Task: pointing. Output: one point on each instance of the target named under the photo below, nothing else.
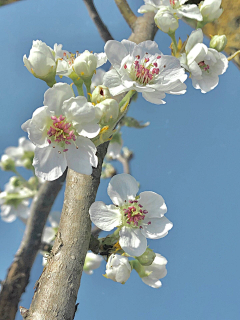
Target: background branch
(18, 273)
(126, 12)
(102, 29)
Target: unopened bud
(15, 181)
(166, 20)
(7, 163)
(85, 64)
(107, 110)
(100, 93)
(218, 43)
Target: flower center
(143, 70)
(69, 58)
(203, 66)
(60, 131)
(134, 213)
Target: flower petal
(83, 157)
(154, 97)
(55, 96)
(198, 53)
(132, 241)
(154, 283)
(195, 37)
(105, 217)
(157, 229)
(115, 52)
(153, 203)
(121, 188)
(48, 163)
(190, 11)
(112, 80)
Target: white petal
(105, 217)
(82, 159)
(121, 188)
(113, 81)
(115, 52)
(48, 163)
(54, 218)
(195, 37)
(88, 129)
(198, 53)
(55, 96)
(129, 45)
(132, 241)
(8, 214)
(190, 11)
(206, 84)
(147, 8)
(154, 283)
(150, 47)
(157, 229)
(154, 97)
(153, 203)
(101, 58)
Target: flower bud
(107, 110)
(128, 154)
(218, 43)
(108, 171)
(41, 62)
(85, 64)
(166, 20)
(210, 10)
(147, 258)
(33, 182)
(15, 181)
(7, 163)
(118, 268)
(100, 93)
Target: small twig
(19, 271)
(126, 12)
(125, 162)
(102, 29)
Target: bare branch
(102, 29)
(57, 288)
(126, 12)
(19, 271)
(125, 162)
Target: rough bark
(57, 288)
(18, 273)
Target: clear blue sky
(189, 154)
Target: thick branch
(57, 288)
(126, 12)
(19, 271)
(102, 29)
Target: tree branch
(57, 288)
(126, 12)
(19, 271)
(102, 29)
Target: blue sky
(189, 154)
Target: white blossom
(92, 262)
(86, 63)
(137, 218)
(41, 61)
(80, 64)
(210, 10)
(142, 67)
(157, 270)
(114, 149)
(118, 268)
(21, 154)
(166, 20)
(106, 111)
(177, 7)
(61, 131)
(14, 202)
(204, 64)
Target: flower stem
(174, 42)
(88, 87)
(233, 55)
(127, 98)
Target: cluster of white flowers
(67, 129)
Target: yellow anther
(124, 107)
(82, 73)
(89, 94)
(78, 78)
(95, 71)
(60, 77)
(71, 84)
(117, 247)
(104, 129)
